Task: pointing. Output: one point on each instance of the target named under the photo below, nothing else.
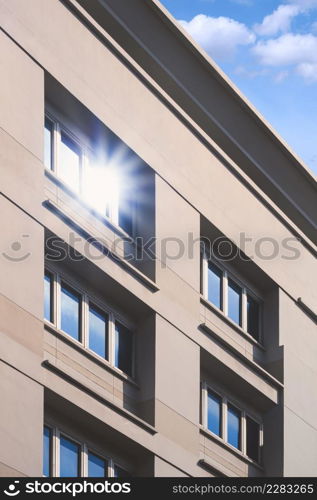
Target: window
(94, 176)
(214, 285)
(253, 317)
(98, 332)
(231, 424)
(214, 413)
(70, 311)
(253, 439)
(47, 451)
(234, 427)
(69, 459)
(48, 144)
(126, 216)
(48, 309)
(98, 197)
(97, 466)
(92, 324)
(234, 302)
(70, 162)
(233, 299)
(75, 459)
(120, 473)
(123, 348)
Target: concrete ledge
(130, 416)
(229, 448)
(88, 354)
(105, 250)
(254, 366)
(229, 322)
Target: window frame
(51, 451)
(109, 315)
(87, 298)
(60, 282)
(242, 314)
(115, 464)
(242, 433)
(216, 393)
(84, 448)
(90, 449)
(60, 130)
(52, 143)
(60, 434)
(260, 451)
(209, 261)
(246, 290)
(60, 125)
(225, 402)
(113, 345)
(51, 288)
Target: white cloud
(243, 2)
(304, 4)
(281, 76)
(219, 36)
(247, 73)
(288, 49)
(308, 71)
(279, 21)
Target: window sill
(89, 354)
(122, 411)
(231, 323)
(104, 249)
(255, 366)
(229, 448)
(103, 218)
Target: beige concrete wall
(189, 181)
(21, 262)
(21, 422)
(145, 367)
(177, 386)
(298, 334)
(164, 469)
(21, 105)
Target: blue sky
(268, 48)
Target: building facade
(158, 243)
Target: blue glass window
(234, 426)
(48, 141)
(69, 162)
(121, 473)
(253, 439)
(214, 413)
(253, 314)
(48, 295)
(70, 311)
(47, 451)
(98, 332)
(214, 285)
(234, 302)
(69, 458)
(96, 190)
(97, 467)
(123, 348)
